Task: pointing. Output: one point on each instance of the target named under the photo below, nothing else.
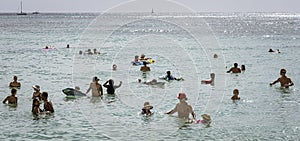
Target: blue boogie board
(72, 92)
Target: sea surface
(183, 43)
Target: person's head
(139, 80)
(68, 46)
(235, 92)
(282, 72)
(13, 92)
(168, 73)
(206, 118)
(89, 50)
(215, 56)
(80, 52)
(243, 67)
(143, 56)
(95, 50)
(182, 96)
(212, 75)
(145, 63)
(147, 106)
(111, 82)
(95, 79)
(15, 78)
(44, 95)
(46, 47)
(36, 87)
(235, 65)
(77, 88)
(114, 67)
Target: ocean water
(181, 42)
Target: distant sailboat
(152, 11)
(21, 13)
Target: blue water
(181, 42)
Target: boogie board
(148, 61)
(72, 92)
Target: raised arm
(117, 86)
(105, 84)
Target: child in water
(146, 109)
(235, 95)
(206, 120)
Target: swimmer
(12, 99)
(110, 87)
(211, 81)
(284, 80)
(36, 93)
(235, 95)
(95, 87)
(152, 82)
(96, 52)
(15, 82)
(146, 109)
(48, 107)
(183, 108)
(215, 56)
(243, 67)
(114, 67)
(234, 69)
(206, 120)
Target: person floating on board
(152, 82)
(145, 67)
(48, 107)
(183, 109)
(110, 87)
(15, 82)
(169, 77)
(146, 109)
(211, 81)
(36, 93)
(234, 69)
(284, 80)
(12, 99)
(206, 120)
(95, 87)
(235, 95)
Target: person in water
(145, 67)
(96, 52)
(36, 110)
(211, 81)
(284, 80)
(235, 95)
(169, 76)
(110, 87)
(48, 106)
(234, 69)
(152, 82)
(95, 87)
(206, 120)
(15, 82)
(243, 67)
(183, 108)
(36, 93)
(12, 99)
(146, 110)
(68, 46)
(114, 67)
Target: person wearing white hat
(183, 108)
(36, 94)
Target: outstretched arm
(274, 82)
(88, 90)
(118, 85)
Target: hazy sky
(147, 5)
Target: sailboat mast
(21, 7)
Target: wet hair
(282, 71)
(111, 82)
(13, 91)
(235, 64)
(235, 91)
(45, 95)
(168, 72)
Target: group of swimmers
(37, 98)
(90, 52)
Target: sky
(147, 5)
